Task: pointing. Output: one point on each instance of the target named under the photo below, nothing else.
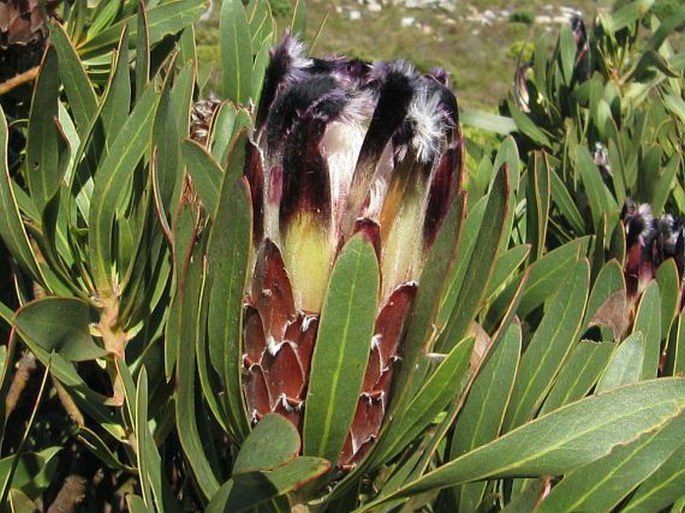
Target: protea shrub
(342, 149)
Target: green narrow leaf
(342, 349)
(420, 333)
(442, 387)
(487, 121)
(229, 253)
(147, 262)
(165, 19)
(401, 474)
(261, 62)
(505, 269)
(480, 420)
(626, 364)
(616, 161)
(542, 45)
(669, 286)
(55, 222)
(142, 50)
(103, 15)
(663, 487)
(602, 484)
(567, 54)
(11, 225)
(675, 104)
(79, 91)
(117, 100)
(675, 357)
(600, 198)
(111, 181)
(184, 233)
(209, 382)
(508, 153)
(598, 256)
(679, 505)
(61, 325)
(573, 436)
(666, 28)
(579, 374)
(137, 401)
(149, 461)
(527, 127)
(236, 54)
(187, 50)
(629, 14)
(6, 361)
(172, 16)
(567, 206)
(538, 204)
(95, 444)
(544, 274)
(648, 321)
(663, 182)
(550, 346)
(481, 264)
(205, 172)
(195, 448)
(42, 145)
(175, 109)
(227, 122)
(468, 231)
(261, 24)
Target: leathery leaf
(342, 349)
(564, 440)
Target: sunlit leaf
(550, 345)
(236, 52)
(342, 349)
(565, 439)
(648, 321)
(481, 418)
(602, 484)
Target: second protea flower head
(341, 146)
(650, 241)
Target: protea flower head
(649, 242)
(340, 147)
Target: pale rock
(407, 21)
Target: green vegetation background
(480, 58)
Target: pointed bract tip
(294, 50)
(639, 223)
(429, 124)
